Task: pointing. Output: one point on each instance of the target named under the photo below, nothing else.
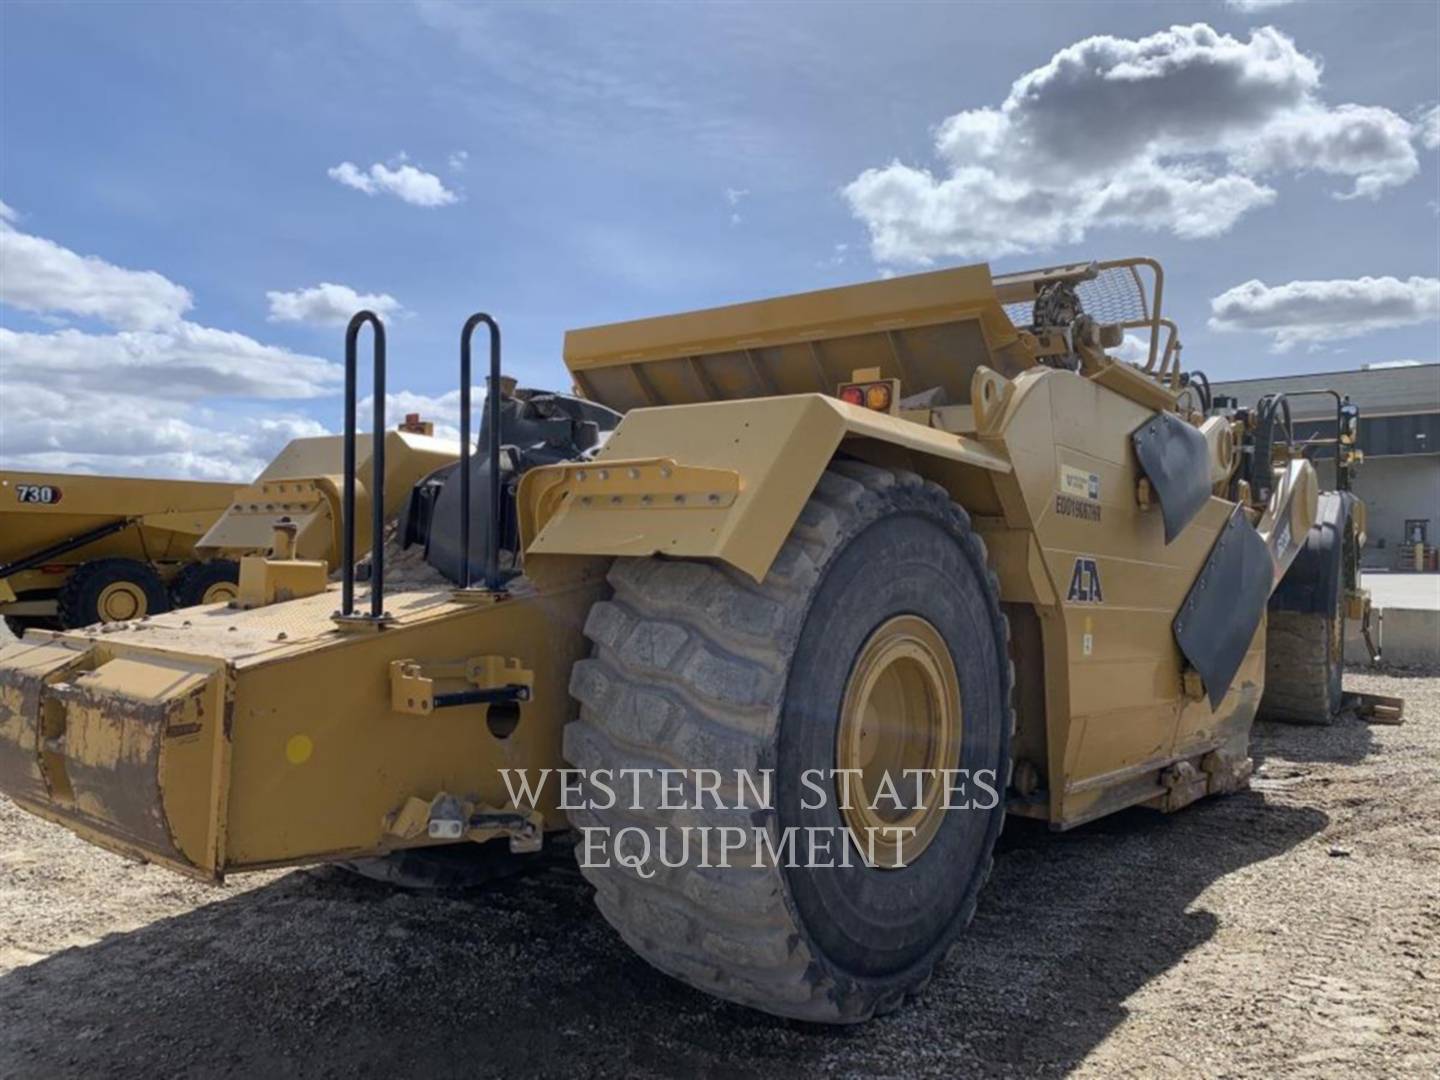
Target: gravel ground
(1287, 930)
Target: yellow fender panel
(723, 480)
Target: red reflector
(852, 395)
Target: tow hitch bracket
(491, 680)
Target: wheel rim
(121, 600)
(901, 711)
(222, 592)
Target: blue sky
(564, 165)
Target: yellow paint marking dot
(298, 749)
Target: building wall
(1399, 433)
(1395, 489)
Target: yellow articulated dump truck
(775, 619)
(76, 550)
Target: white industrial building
(1399, 435)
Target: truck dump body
(38, 510)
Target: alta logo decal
(1085, 583)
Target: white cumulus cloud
(133, 435)
(1181, 131)
(327, 304)
(39, 276)
(1315, 311)
(1430, 128)
(157, 394)
(182, 362)
(407, 183)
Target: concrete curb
(1409, 637)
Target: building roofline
(1324, 374)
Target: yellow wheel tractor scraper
(827, 584)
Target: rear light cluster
(879, 395)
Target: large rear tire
(696, 666)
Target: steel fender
(722, 480)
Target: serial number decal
(1083, 509)
(1085, 583)
(1079, 483)
(37, 493)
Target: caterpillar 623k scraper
(905, 536)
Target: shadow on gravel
(324, 974)
(1346, 741)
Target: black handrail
(377, 474)
(493, 581)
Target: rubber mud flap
(1176, 461)
(1222, 611)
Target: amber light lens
(852, 395)
(877, 396)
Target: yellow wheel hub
(222, 592)
(900, 726)
(121, 600)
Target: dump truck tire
(1304, 667)
(210, 582)
(110, 590)
(696, 666)
(451, 866)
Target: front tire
(111, 590)
(697, 667)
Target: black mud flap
(1222, 611)
(1174, 458)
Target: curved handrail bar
(492, 405)
(377, 473)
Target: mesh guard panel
(1115, 295)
